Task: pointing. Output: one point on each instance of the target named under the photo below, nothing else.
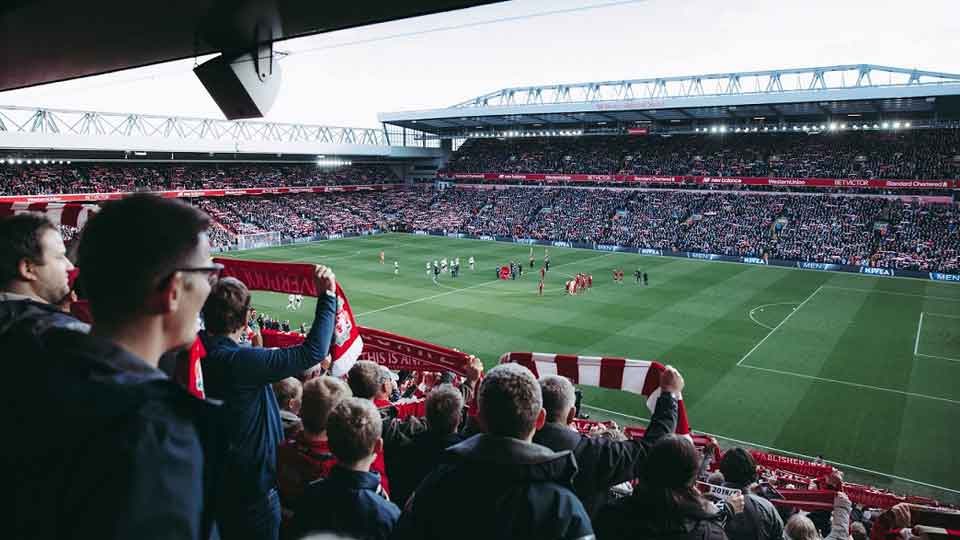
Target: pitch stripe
(485, 283)
(858, 385)
(785, 319)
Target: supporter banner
(401, 352)
(636, 376)
(188, 193)
(290, 278)
(391, 350)
(69, 214)
(712, 180)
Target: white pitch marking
(785, 319)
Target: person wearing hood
(128, 454)
(523, 488)
(666, 503)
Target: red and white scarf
(636, 376)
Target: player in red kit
(589, 281)
(540, 287)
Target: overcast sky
(346, 78)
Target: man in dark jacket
(759, 519)
(348, 501)
(34, 275)
(524, 488)
(241, 378)
(411, 463)
(603, 463)
(126, 458)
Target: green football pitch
(864, 371)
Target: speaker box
(241, 86)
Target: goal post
(258, 240)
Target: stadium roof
(34, 128)
(783, 95)
(45, 41)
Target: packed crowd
(111, 177)
(286, 446)
(913, 154)
(862, 231)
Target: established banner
(711, 180)
(290, 278)
(188, 193)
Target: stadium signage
(815, 266)
(711, 180)
(485, 237)
(561, 244)
(608, 247)
(648, 251)
(528, 241)
(454, 235)
(335, 236)
(707, 256)
(421, 233)
(937, 276)
(876, 271)
(752, 260)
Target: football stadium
(715, 305)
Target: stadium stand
(105, 178)
(863, 231)
(914, 154)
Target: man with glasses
(128, 454)
(241, 377)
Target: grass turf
(816, 363)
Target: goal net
(258, 240)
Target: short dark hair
(353, 429)
(510, 400)
(115, 275)
(225, 310)
(738, 467)
(365, 379)
(444, 408)
(19, 240)
(320, 396)
(559, 396)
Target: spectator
(307, 457)
(414, 461)
(289, 393)
(799, 526)
(522, 487)
(759, 519)
(34, 277)
(667, 504)
(130, 456)
(241, 378)
(858, 531)
(603, 463)
(349, 501)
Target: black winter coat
(603, 463)
(102, 445)
(633, 517)
(497, 487)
